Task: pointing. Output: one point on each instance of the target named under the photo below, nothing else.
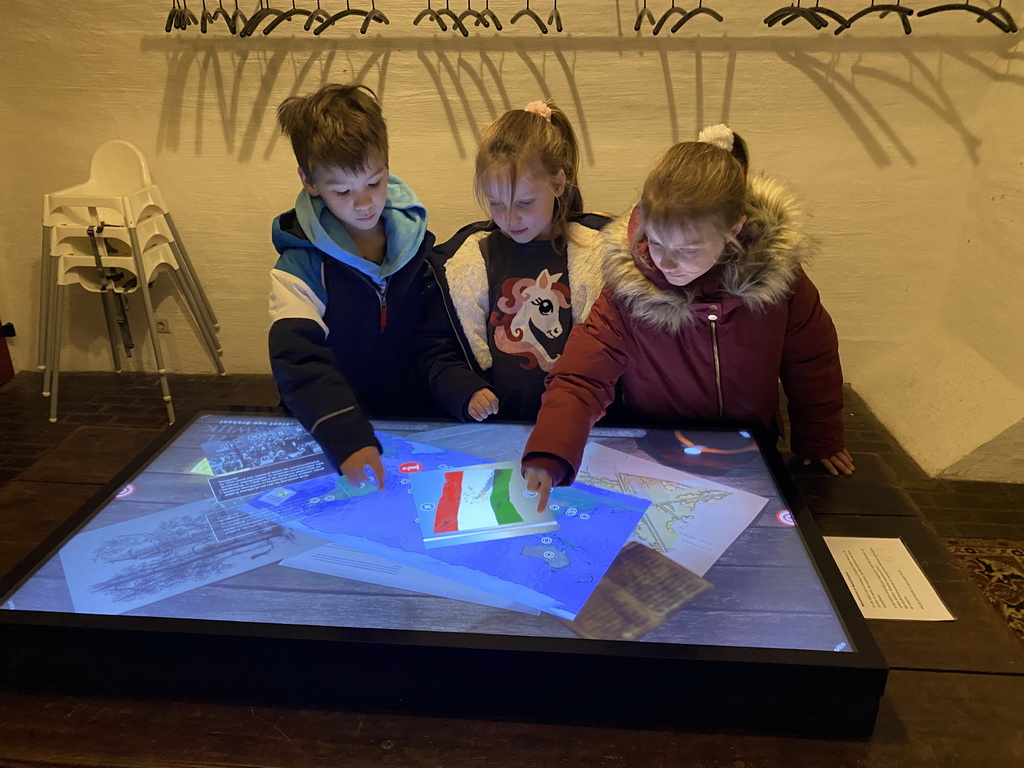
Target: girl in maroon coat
(706, 306)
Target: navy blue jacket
(342, 328)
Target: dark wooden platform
(955, 695)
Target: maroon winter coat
(679, 355)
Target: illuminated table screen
(670, 544)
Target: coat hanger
(555, 17)
(371, 15)
(531, 15)
(883, 11)
(204, 18)
(645, 13)
(318, 15)
(430, 13)
(286, 16)
(172, 17)
(179, 17)
(238, 19)
(187, 16)
(997, 15)
(265, 10)
(219, 13)
(791, 13)
(700, 9)
(436, 15)
(1011, 25)
(471, 13)
(815, 16)
(665, 16)
(489, 14)
(456, 21)
(837, 17)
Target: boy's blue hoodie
(342, 327)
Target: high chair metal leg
(113, 302)
(117, 302)
(46, 331)
(187, 283)
(54, 364)
(121, 309)
(45, 286)
(108, 315)
(147, 301)
(54, 301)
(187, 263)
(204, 330)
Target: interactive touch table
(678, 583)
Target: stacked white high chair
(111, 235)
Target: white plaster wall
(891, 142)
(986, 284)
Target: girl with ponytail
(512, 287)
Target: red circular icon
(410, 466)
(128, 490)
(785, 517)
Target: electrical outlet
(162, 326)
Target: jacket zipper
(382, 295)
(718, 365)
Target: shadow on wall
(240, 79)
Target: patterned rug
(998, 568)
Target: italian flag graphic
(475, 499)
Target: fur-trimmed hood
(775, 249)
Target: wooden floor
(955, 695)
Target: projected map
(239, 516)
(552, 571)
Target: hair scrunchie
(718, 135)
(539, 108)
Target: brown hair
(695, 182)
(521, 142)
(337, 126)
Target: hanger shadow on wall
(242, 81)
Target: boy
(350, 282)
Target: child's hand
(842, 463)
(354, 467)
(482, 404)
(539, 481)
